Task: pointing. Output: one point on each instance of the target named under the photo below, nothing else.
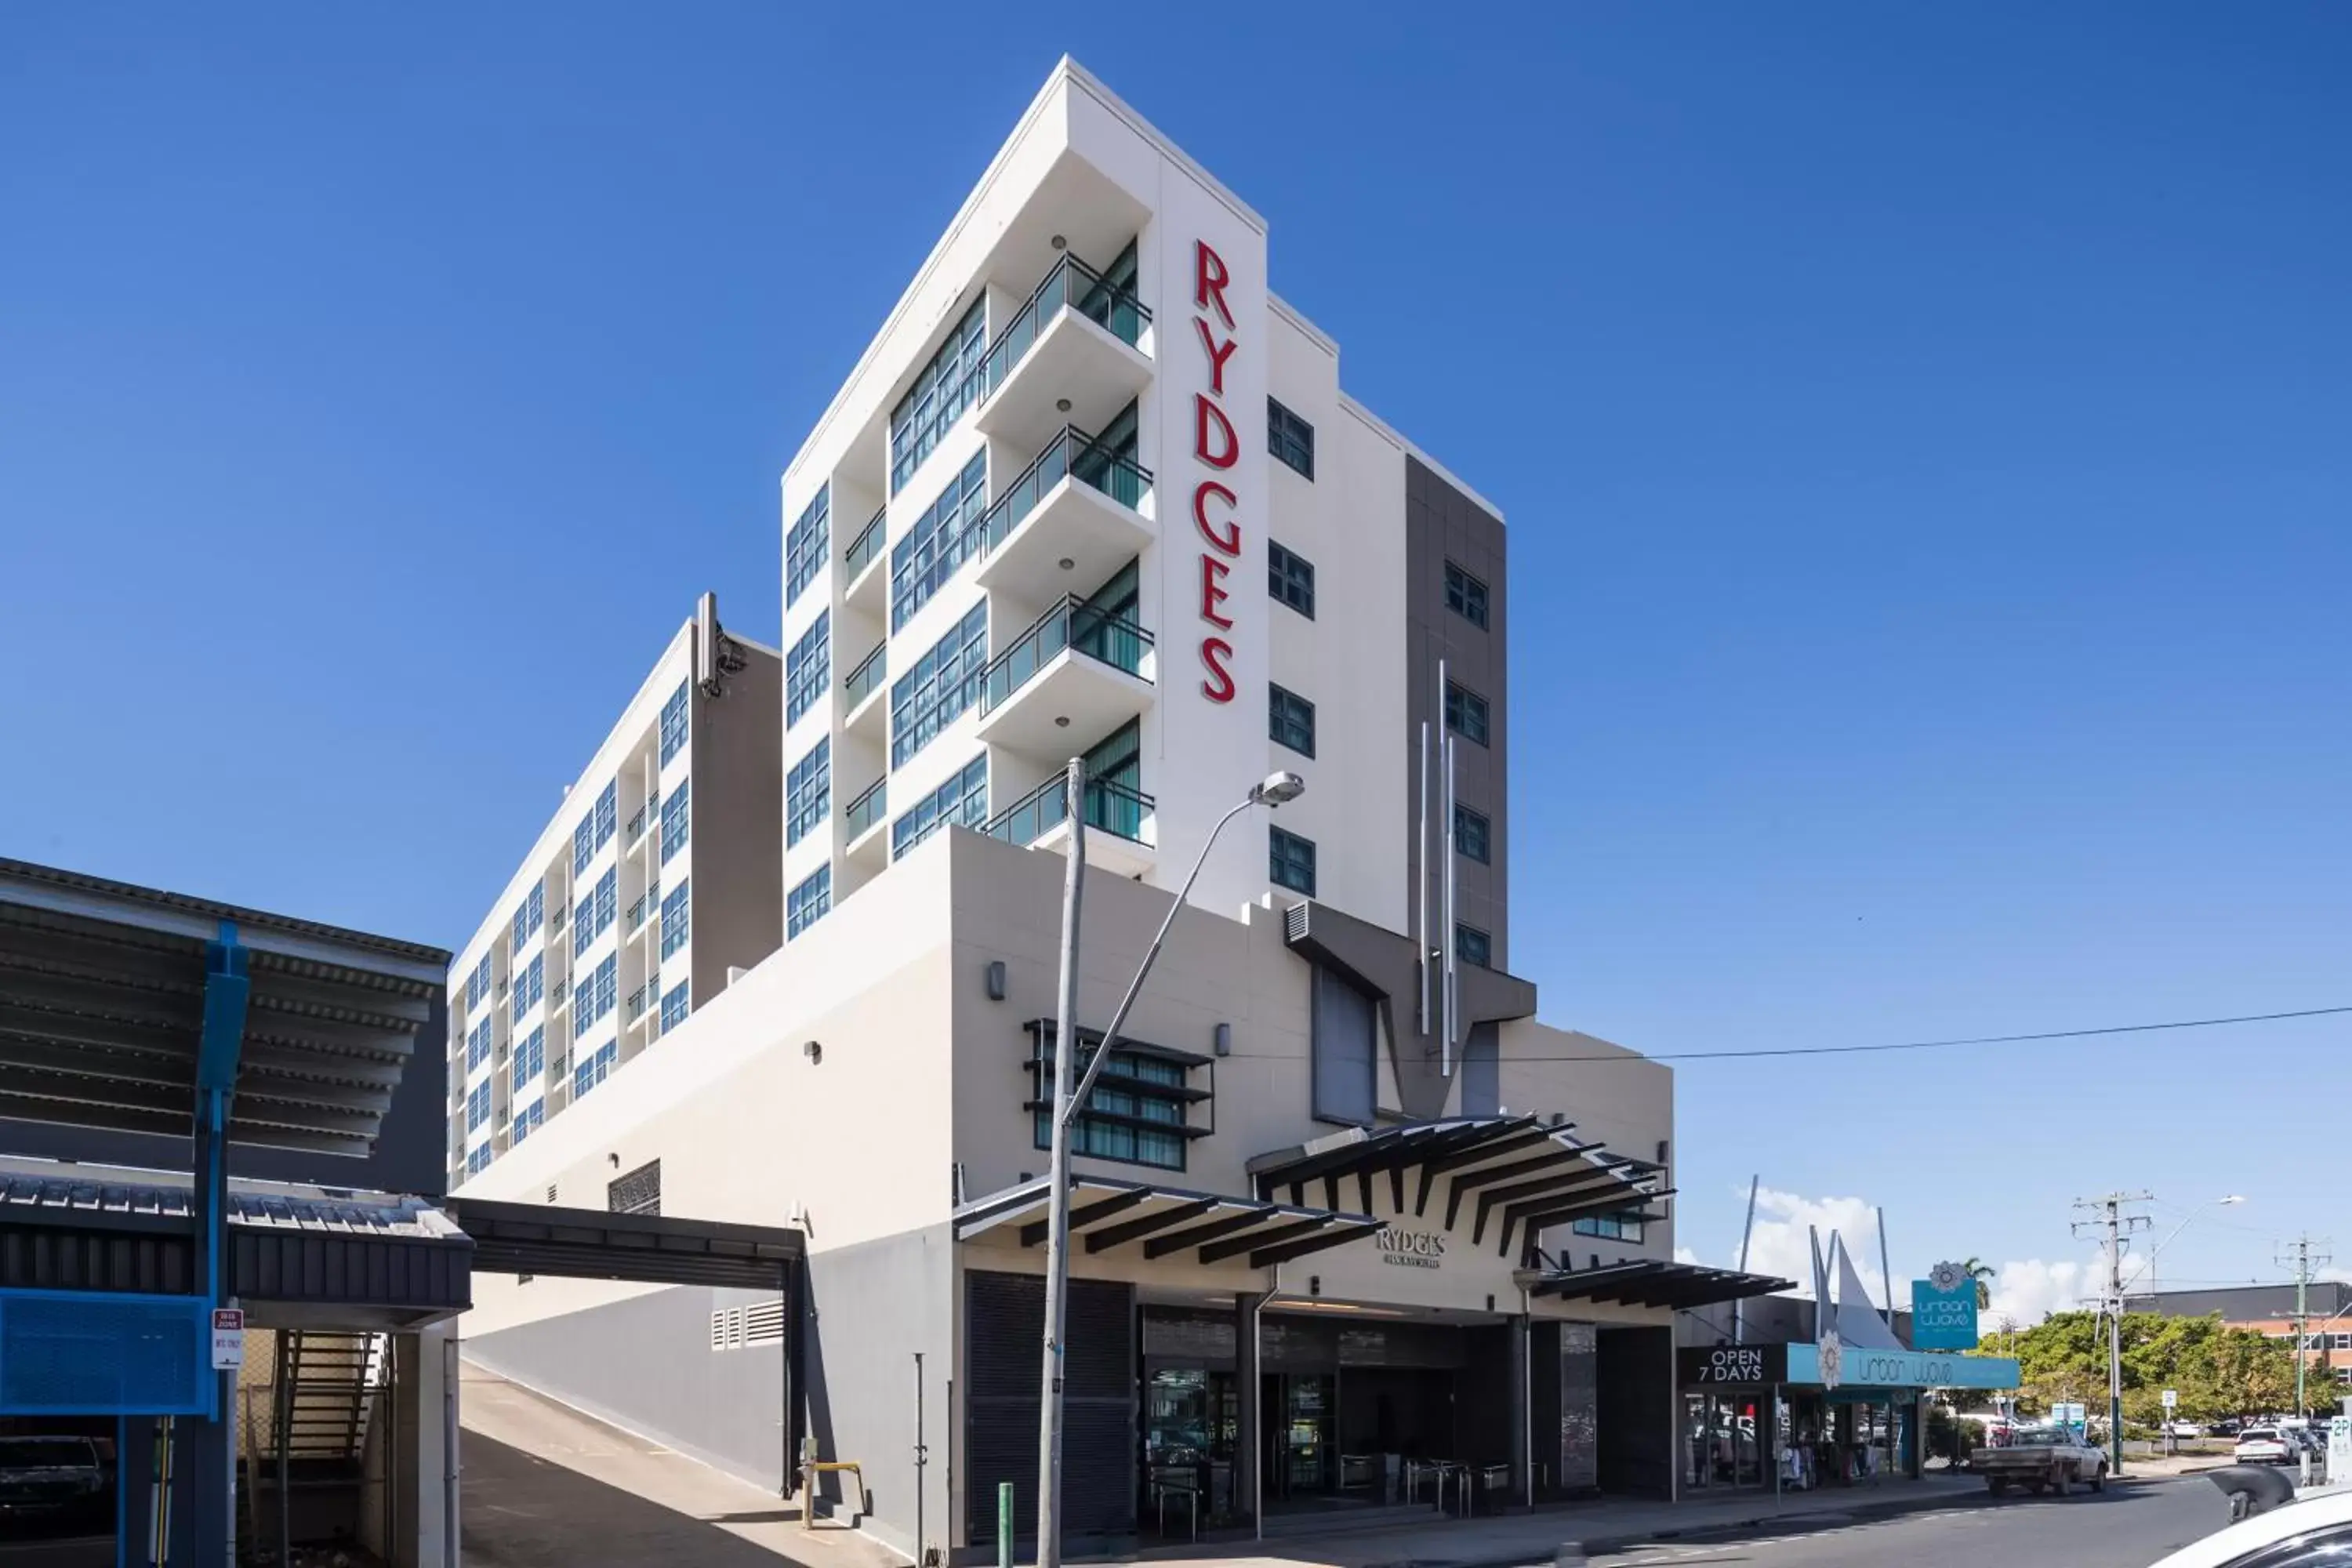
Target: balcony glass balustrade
(1111, 807)
(1069, 284)
(1074, 624)
(1073, 454)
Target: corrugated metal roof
(102, 1003)
(78, 1199)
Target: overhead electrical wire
(1752, 1053)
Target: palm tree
(1978, 1269)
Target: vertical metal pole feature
(1004, 1524)
(1453, 926)
(1057, 1183)
(1747, 1233)
(1420, 885)
(922, 1456)
(1885, 1270)
(450, 1468)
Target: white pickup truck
(2041, 1458)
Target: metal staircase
(307, 1429)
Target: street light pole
(1273, 791)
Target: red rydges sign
(1214, 444)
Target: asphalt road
(2128, 1526)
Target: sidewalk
(1535, 1536)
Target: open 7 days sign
(1748, 1365)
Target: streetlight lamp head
(1279, 788)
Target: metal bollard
(1004, 1524)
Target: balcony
(641, 913)
(1077, 671)
(638, 822)
(866, 589)
(1071, 518)
(640, 1000)
(869, 679)
(1073, 351)
(1122, 831)
(559, 991)
(862, 821)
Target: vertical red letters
(1215, 444)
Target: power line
(1752, 1053)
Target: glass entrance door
(1300, 1457)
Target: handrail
(1071, 452)
(1113, 307)
(1111, 807)
(866, 808)
(866, 679)
(865, 549)
(1073, 624)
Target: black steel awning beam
(1217, 1251)
(1266, 1256)
(1120, 1234)
(1033, 1233)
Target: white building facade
(590, 955)
(1350, 1224)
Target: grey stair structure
(306, 1439)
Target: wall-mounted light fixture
(996, 980)
(1224, 1039)
(813, 1051)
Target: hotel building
(1351, 1228)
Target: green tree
(1978, 1269)
(2218, 1371)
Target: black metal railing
(865, 549)
(1072, 454)
(866, 679)
(1068, 284)
(1111, 807)
(1073, 624)
(866, 808)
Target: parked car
(2264, 1446)
(51, 1479)
(2187, 1431)
(2040, 1459)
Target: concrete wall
(647, 1363)
(1443, 522)
(739, 803)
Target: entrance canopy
(1163, 1221)
(1519, 1171)
(1654, 1282)
(113, 997)
(650, 1248)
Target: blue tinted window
(675, 812)
(673, 919)
(1472, 945)
(675, 1005)
(808, 792)
(946, 536)
(807, 903)
(1290, 861)
(528, 919)
(964, 799)
(942, 684)
(808, 668)
(943, 389)
(673, 723)
(805, 543)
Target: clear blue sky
(1927, 436)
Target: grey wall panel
(871, 1308)
(1441, 523)
(738, 824)
(645, 1364)
(1345, 1043)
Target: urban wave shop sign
(1410, 1249)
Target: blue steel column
(211, 1465)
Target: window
(679, 1002)
(478, 1161)
(477, 984)
(1472, 945)
(1465, 596)
(597, 992)
(676, 916)
(808, 668)
(941, 540)
(962, 799)
(1610, 1228)
(943, 683)
(639, 1191)
(808, 791)
(608, 813)
(527, 1120)
(805, 543)
(530, 986)
(1135, 1112)
(597, 907)
(1466, 713)
(1470, 840)
(673, 724)
(593, 1069)
(1289, 437)
(806, 904)
(528, 919)
(583, 844)
(478, 1105)
(1290, 719)
(1290, 578)
(477, 1045)
(530, 1060)
(943, 389)
(1290, 861)
(674, 819)
(2325, 1548)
